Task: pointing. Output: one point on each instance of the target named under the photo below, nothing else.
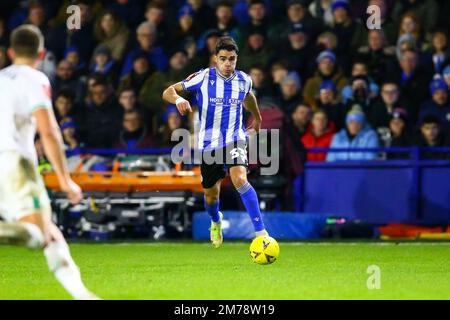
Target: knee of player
(238, 180)
(211, 198)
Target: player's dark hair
(26, 41)
(226, 43)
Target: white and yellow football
(264, 250)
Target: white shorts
(22, 190)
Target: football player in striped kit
(221, 93)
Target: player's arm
(171, 96)
(51, 138)
(251, 105)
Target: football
(264, 250)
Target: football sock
(21, 233)
(213, 211)
(250, 200)
(65, 270)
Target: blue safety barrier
(282, 225)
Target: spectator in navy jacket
(439, 104)
(134, 133)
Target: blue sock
(250, 200)
(213, 211)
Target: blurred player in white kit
(26, 106)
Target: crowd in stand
(336, 83)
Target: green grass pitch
(197, 271)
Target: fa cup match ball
(264, 250)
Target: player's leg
(249, 197)
(212, 207)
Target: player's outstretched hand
(73, 191)
(183, 106)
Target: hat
(356, 114)
(327, 85)
(185, 10)
(68, 124)
(340, 4)
(256, 30)
(102, 49)
(446, 70)
(300, 2)
(211, 33)
(438, 84)
(292, 76)
(327, 54)
(140, 54)
(298, 27)
(362, 78)
(171, 108)
(399, 113)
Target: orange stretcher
(136, 181)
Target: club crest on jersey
(241, 86)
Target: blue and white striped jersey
(220, 106)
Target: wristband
(179, 99)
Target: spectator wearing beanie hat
(343, 25)
(290, 88)
(357, 134)
(399, 133)
(327, 69)
(327, 101)
(446, 75)
(297, 12)
(439, 105)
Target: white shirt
(23, 90)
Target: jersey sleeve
(194, 81)
(38, 93)
(250, 85)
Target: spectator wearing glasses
(384, 106)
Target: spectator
(360, 94)
(438, 55)
(186, 26)
(68, 129)
(431, 135)
(64, 105)
(297, 52)
(409, 24)
(426, 11)
(319, 135)
(257, 12)
(359, 69)
(256, 50)
(150, 94)
(439, 105)
(334, 110)
(446, 75)
(278, 72)
(103, 62)
(327, 69)
(378, 55)
(290, 92)
(140, 72)
(72, 54)
(146, 37)
(226, 24)
(261, 87)
(357, 134)
(382, 109)
(172, 120)
(413, 83)
(203, 13)
(155, 14)
(59, 38)
(128, 100)
(112, 33)
(399, 133)
(99, 118)
(301, 118)
(298, 14)
(134, 134)
(65, 79)
(343, 25)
